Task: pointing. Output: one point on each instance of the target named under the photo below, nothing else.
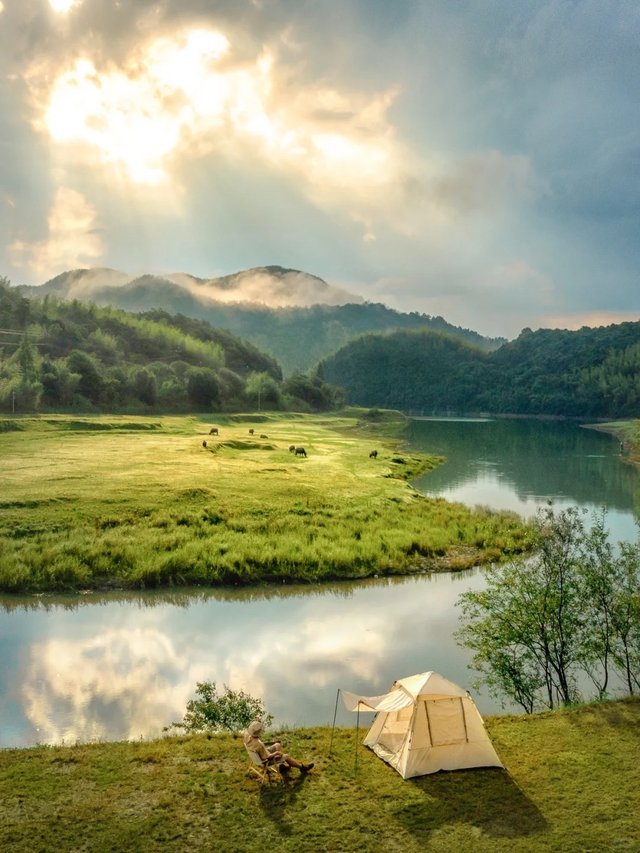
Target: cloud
(195, 94)
(73, 238)
(428, 142)
(63, 6)
(119, 684)
(191, 91)
(588, 318)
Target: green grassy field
(134, 502)
(628, 432)
(571, 784)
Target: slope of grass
(570, 784)
(134, 502)
(628, 432)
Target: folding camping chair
(264, 770)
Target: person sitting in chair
(270, 752)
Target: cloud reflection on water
(121, 671)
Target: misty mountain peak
(272, 286)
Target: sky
(474, 159)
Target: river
(111, 667)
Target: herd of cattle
(293, 448)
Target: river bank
(628, 434)
(132, 502)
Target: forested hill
(67, 356)
(590, 372)
(300, 337)
(297, 337)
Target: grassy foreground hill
(103, 502)
(571, 784)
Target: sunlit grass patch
(121, 507)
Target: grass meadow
(571, 784)
(135, 502)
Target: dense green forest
(57, 355)
(298, 338)
(589, 372)
(72, 356)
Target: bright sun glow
(185, 90)
(62, 5)
(118, 115)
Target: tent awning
(394, 700)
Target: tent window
(446, 721)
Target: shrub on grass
(230, 711)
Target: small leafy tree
(203, 387)
(263, 390)
(626, 617)
(571, 609)
(523, 628)
(230, 711)
(599, 590)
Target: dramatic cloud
(428, 152)
(73, 238)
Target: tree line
(585, 373)
(73, 356)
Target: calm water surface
(114, 666)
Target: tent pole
(335, 711)
(355, 766)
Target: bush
(230, 711)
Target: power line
(19, 332)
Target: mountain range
(271, 286)
(295, 317)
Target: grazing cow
(213, 431)
(204, 444)
(251, 431)
(373, 454)
(300, 451)
(264, 436)
(292, 448)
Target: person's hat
(255, 727)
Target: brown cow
(292, 448)
(373, 454)
(251, 431)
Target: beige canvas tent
(426, 723)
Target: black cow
(300, 451)
(373, 454)
(251, 431)
(264, 436)
(213, 431)
(204, 444)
